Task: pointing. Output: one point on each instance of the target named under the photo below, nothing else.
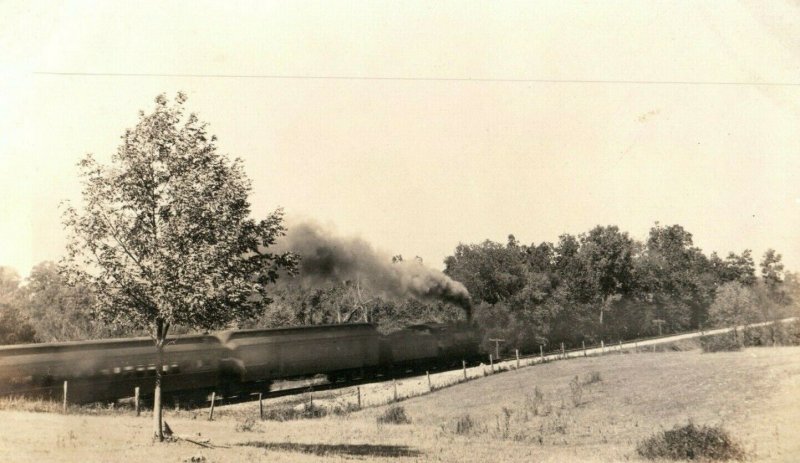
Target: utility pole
(497, 347)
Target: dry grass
(525, 415)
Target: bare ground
(755, 394)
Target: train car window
(105, 371)
(117, 370)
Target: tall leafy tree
(608, 255)
(165, 237)
(772, 274)
(676, 276)
(735, 267)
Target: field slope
(533, 414)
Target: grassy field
(540, 413)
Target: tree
(608, 256)
(734, 305)
(735, 267)
(60, 312)
(676, 277)
(165, 236)
(14, 326)
(772, 275)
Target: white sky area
(537, 118)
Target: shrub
(691, 442)
(720, 343)
(782, 334)
(295, 413)
(593, 377)
(576, 391)
(536, 404)
(504, 423)
(394, 415)
(248, 425)
(465, 425)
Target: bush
(536, 404)
(288, 413)
(248, 425)
(394, 415)
(465, 425)
(720, 343)
(593, 377)
(690, 442)
(576, 391)
(780, 334)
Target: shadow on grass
(356, 450)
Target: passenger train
(230, 362)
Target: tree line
(603, 284)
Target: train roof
(226, 336)
(27, 349)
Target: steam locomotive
(230, 362)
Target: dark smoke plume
(329, 258)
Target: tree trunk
(158, 429)
(160, 339)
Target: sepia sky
(419, 125)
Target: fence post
(358, 391)
(464, 366)
(516, 353)
(136, 400)
(541, 353)
(428, 374)
(260, 406)
(602, 347)
(583, 346)
(394, 381)
(66, 387)
(211, 412)
(563, 352)
(491, 362)
(620, 346)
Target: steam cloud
(329, 258)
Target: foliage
(576, 391)
(690, 442)
(60, 312)
(593, 377)
(465, 425)
(248, 425)
(15, 327)
(734, 305)
(165, 236)
(721, 343)
(395, 414)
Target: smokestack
(329, 258)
